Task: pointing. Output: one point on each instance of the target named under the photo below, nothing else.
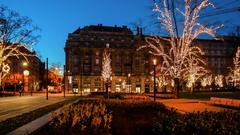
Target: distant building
(55, 78)
(219, 53)
(16, 79)
(84, 49)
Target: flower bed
(88, 117)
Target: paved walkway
(188, 105)
(33, 126)
(15, 106)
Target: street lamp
(26, 74)
(154, 78)
(69, 81)
(129, 75)
(24, 65)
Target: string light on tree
(106, 67)
(204, 82)
(194, 72)
(16, 35)
(219, 80)
(234, 74)
(176, 57)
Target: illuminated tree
(161, 76)
(106, 68)
(16, 35)
(194, 72)
(181, 48)
(204, 82)
(219, 80)
(207, 80)
(54, 76)
(235, 71)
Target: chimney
(137, 30)
(141, 31)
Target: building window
(97, 61)
(97, 69)
(138, 89)
(128, 59)
(87, 61)
(118, 87)
(75, 59)
(118, 60)
(75, 69)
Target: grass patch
(15, 122)
(208, 95)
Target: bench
(225, 102)
(137, 97)
(162, 96)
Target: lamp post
(129, 75)
(69, 81)
(47, 79)
(26, 74)
(24, 65)
(154, 78)
(64, 76)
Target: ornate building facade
(131, 68)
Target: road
(14, 106)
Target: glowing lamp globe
(26, 73)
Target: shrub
(113, 95)
(83, 118)
(207, 123)
(134, 104)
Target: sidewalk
(33, 126)
(15, 106)
(188, 105)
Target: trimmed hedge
(205, 123)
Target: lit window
(97, 61)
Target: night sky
(57, 18)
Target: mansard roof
(101, 28)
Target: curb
(36, 124)
(177, 110)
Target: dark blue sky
(57, 18)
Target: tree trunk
(107, 89)
(176, 87)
